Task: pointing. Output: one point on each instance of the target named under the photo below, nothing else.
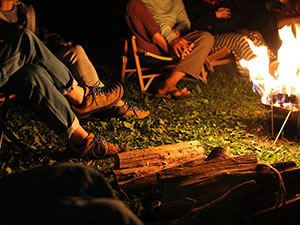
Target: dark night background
(98, 26)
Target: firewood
(218, 189)
(138, 169)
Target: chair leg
(204, 74)
(124, 63)
(123, 68)
(137, 64)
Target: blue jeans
(31, 71)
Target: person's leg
(238, 45)
(191, 64)
(81, 67)
(34, 84)
(21, 47)
(76, 59)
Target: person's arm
(201, 14)
(160, 40)
(166, 17)
(183, 24)
(31, 19)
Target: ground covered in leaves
(223, 113)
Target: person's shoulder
(23, 4)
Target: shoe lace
(96, 90)
(133, 106)
(99, 141)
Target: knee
(34, 76)
(208, 37)
(205, 41)
(77, 50)
(28, 79)
(73, 54)
(27, 34)
(24, 32)
(32, 72)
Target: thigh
(236, 42)
(203, 36)
(11, 57)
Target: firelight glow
(281, 77)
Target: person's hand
(223, 13)
(176, 32)
(181, 47)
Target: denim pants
(30, 70)
(61, 194)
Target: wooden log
(203, 182)
(217, 211)
(138, 169)
(287, 214)
(268, 192)
(194, 190)
(161, 155)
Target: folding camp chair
(144, 72)
(150, 72)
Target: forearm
(160, 40)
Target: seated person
(164, 29)
(261, 16)
(288, 13)
(73, 56)
(224, 19)
(30, 70)
(61, 194)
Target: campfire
(278, 83)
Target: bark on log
(139, 168)
(218, 189)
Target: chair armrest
(165, 58)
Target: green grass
(224, 113)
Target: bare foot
(175, 92)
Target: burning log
(217, 189)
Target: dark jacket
(248, 14)
(203, 17)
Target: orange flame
(281, 77)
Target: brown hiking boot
(99, 98)
(98, 147)
(130, 109)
